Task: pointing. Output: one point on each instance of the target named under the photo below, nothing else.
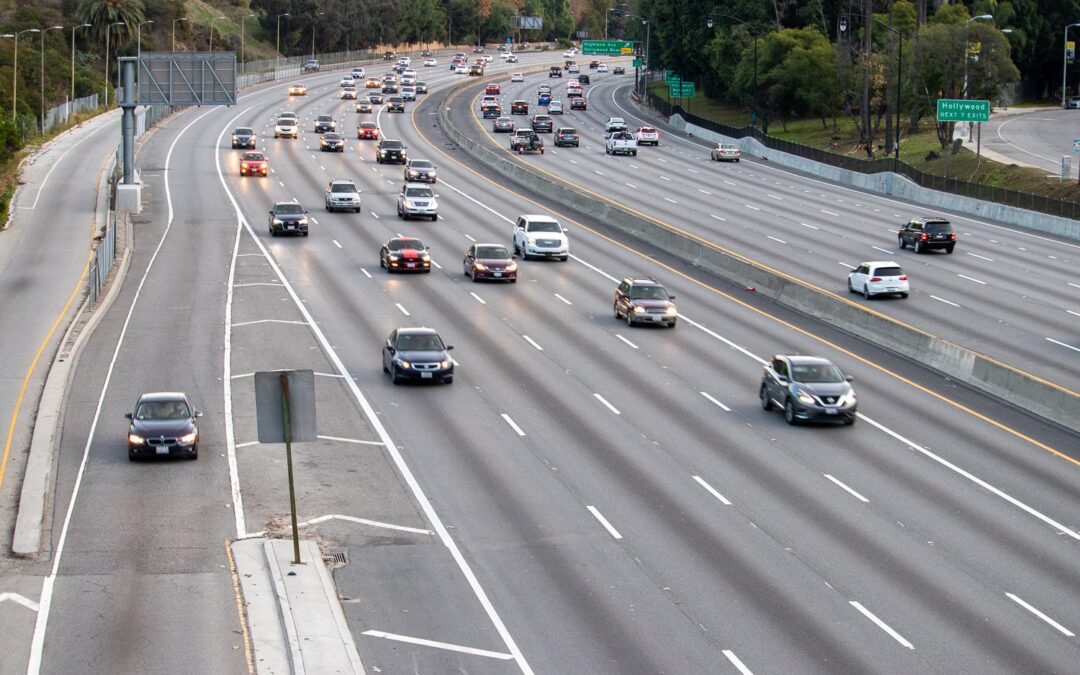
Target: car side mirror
(513, 256)
(449, 347)
(127, 416)
(271, 211)
(198, 413)
(849, 378)
(671, 297)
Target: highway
(1038, 138)
(585, 497)
(1005, 292)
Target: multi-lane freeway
(585, 497)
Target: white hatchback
(878, 277)
(517, 77)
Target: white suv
(287, 126)
(342, 194)
(417, 199)
(541, 236)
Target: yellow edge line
(802, 331)
(240, 611)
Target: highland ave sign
(958, 110)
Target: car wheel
(789, 413)
(394, 375)
(766, 402)
(736, 161)
(615, 307)
(634, 153)
(850, 289)
(903, 295)
(919, 246)
(194, 454)
(629, 317)
(866, 291)
(434, 217)
(949, 249)
(850, 420)
(564, 258)
(449, 380)
(132, 457)
(900, 242)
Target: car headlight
(302, 221)
(188, 439)
(235, 139)
(425, 257)
(393, 258)
(278, 221)
(413, 173)
(403, 363)
(479, 266)
(512, 267)
(670, 311)
(805, 398)
(444, 364)
(135, 439)
(638, 309)
(847, 399)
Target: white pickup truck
(621, 143)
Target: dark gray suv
(924, 234)
(644, 300)
(808, 388)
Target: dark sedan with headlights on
(288, 218)
(405, 254)
(420, 171)
(332, 142)
(163, 424)
(243, 138)
(490, 261)
(417, 354)
(808, 388)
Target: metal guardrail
(1025, 200)
(104, 255)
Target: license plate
(425, 375)
(498, 274)
(410, 264)
(830, 411)
(162, 450)
(657, 318)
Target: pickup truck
(526, 139)
(621, 143)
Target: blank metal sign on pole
(268, 406)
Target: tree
(100, 13)
(421, 21)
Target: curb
(1034, 395)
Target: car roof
(643, 279)
(416, 185)
(339, 181)
(801, 359)
(881, 263)
(163, 396)
(417, 330)
(405, 239)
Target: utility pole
(868, 135)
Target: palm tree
(100, 13)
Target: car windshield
(647, 130)
(406, 245)
(888, 272)
(727, 147)
(421, 192)
(342, 187)
(544, 226)
(393, 145)
(244, 131)
(162, 410)
(422, 164)
(253, 157)
(325, 118)
(567, 131)
(492, 252)
(938, 228)
(332, 137)
(648, 293)
(419, 343)
(286, 120)
(367, 125)
(504, 120)
(816, 372)
(288, 209)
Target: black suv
(924, 234)
(324, 123)
(243, 137)
(644, 300)
(395, 104)
(555, 71)
(288, 218)
(391, 150)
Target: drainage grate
(336, 558)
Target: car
(573, 92)
(311, 66)
(405, 254)
(555, 107)
(593, 65)
(543, 89)
(878, 277)
(503, 125)
(395, 104)
(461, 56)
(357, 74)
(348, 93)
(342, 194)
(519, 107)
(542, 124)
(363, 107)
(408, 93)
(391, 150)
(408, 81)
(376, 99)
(602, 68)
(615, 124)
(420, 171)
(405, 61)
(461, 69)
(540, 236)
(573, 69)
(583, 78)
(286, 127)
(388, 56)
(389, 87)
(568, 54)
(298, 89)
(455, 63)
(621, 143)
(417, 199)
(478, 50)
(373, 83)
(808, 388)
(1074, 103)
(618, 70)
(163, 423)
(544, 98)
(555, 71)
(431, 63)
(324, 123)
(243, 137)
(346, 81)
(489, 261)
(288, 218)
(254, 164)
(567, 136)
(332, 142)
(641, 299)
(426, 54)
(493, 90)
(417, 354)
(408, 72)
(511, 58)
(399, 68)
(647, 136)
(579, 103)
(367, 131)
(517, 77)
(925, 234)
(491, 110)
(421, 87)
(476, 69)
(725, 152)
(523, 140)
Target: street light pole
(175, 21)
(314, 22)
(212, 31)
(277, 45)
(899, 73)
(967, 41)
(42, 104)
(73, 29)
(15, 71)
(243, 61)
(138, 39)
(108, 29)
(1065, 61)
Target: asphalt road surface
(1038, 138)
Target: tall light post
(15, 71)
(277, 44)
(243, 61)
(967, 41)
(752, 29)
(174, 22)
(899, 73)
(212, 31)
(43, 73)
(138, 36)
(1065, 61)
(314, 22)
(73, 29)
(108, 83)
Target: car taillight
(903, 277)
(924, 236)
(875, 279)
(953, 236)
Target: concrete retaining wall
(1042, 398)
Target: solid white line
(20, 600)
(721, 338)
(749, 206)
(1072, 312)
(257, 283)
(1058, 342)
(563, 299)
(739, 665)
(437, 265)
(609, 406)
(477, 297)
(1062, 629)
(775, 239)
(402, 309)
(881, 624)
(603, 521)
(980, 257)
(715, 402)
(947, 302)
(513, 425)
(366, 273)
(336, 243)
(533, 343)
(963, 276)
(829, 213)
(438, 645)
(853, 493)
(252, 323)
(1072, 284)
(348, 440)
(470, 239)
(37, 643)
(365, 521)
(712, 490)
(55, 164)
(634, 346)
(812, 227)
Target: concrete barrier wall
(1041, 398)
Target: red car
(493, 90)
(489, 261)
(367, 131)
(405, 254)
(254, 164)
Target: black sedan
(288, 218)
(808, 388)
(375, 99)
(324, 123)
(243, 138)
(417, 354)
(163, 423)
(332, 142)
(395, 104)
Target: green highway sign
(673, 91)
(637, 63)
(686, 90)
(607, 47)
(670, 77)
(959, 110)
